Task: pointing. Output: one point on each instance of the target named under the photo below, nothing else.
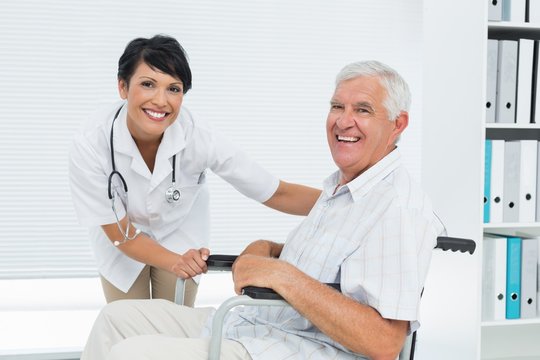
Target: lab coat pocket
(192, 204)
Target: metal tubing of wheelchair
(219, 317)
(405, 353)
(179, 292)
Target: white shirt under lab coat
(178, 226)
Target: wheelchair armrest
(224, 263)
(450, 243)
(255, 292)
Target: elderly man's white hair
(398, 94)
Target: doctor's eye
(147, 84)
(175, 89)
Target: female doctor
(137, 175)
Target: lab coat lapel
(172, 143)
(124, 144)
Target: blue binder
(487, 180)
(513, 277)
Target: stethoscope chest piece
(172, 194)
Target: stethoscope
(172, 195)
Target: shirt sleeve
(89, 183)
(236, 167)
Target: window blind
(263, 74)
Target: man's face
(358, 130)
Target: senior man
(372, 230)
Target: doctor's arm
(358, 327)
(293, 199)
(148, 251)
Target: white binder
(524, 81)
(529, 260)
(538, 280)
(527, 180)
(494, 278)
(538, 183)
(491, 86)
(494, 10)
(512, 169)
(513, 10)
(534, 12)
(507, 81)
(536, 95)
(497, 182)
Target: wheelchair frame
(254, 296)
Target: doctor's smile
(154, 115)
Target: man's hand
(192, 263)
(261, 271)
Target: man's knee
(159, 347)
(119, 311)
(129, 348)
(114, 309)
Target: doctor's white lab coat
(177, 226)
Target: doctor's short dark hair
(161, 52)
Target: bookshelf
(454, 132)
(511, 338)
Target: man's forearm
(356, 326)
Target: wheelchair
(256, 296)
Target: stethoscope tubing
(172, 194)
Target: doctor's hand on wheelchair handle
(191, 263)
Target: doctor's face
(358, 130)
(153, 102)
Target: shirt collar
(362, 184)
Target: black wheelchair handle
(455, 244)
(224, 262)
(220, 262)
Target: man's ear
(400, 124)
(122, 89)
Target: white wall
(452, 172)
(263, 73)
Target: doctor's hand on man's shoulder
(191, 263)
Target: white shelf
(516, 322)
(513, 126)
(514, 229)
